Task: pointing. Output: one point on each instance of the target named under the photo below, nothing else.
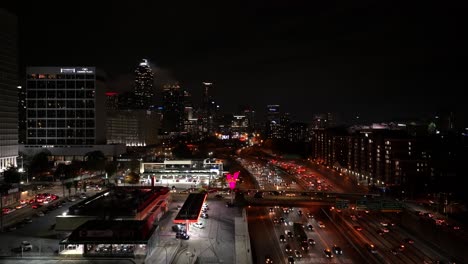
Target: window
(51, 113)
(90, 84)
(80, 94)
(51, 123)
(80, 76)
(71, 94)
(90, 123)
(50, 141)
(41, 113)
(32, 103)
(41, 84)
(70, 123)
(31, 113)
(89, 132)
(32, 94)
(70, 141)
(70, 103)
(80, 123)
(51, 133)
(32, 76)
(80, 104)
(80, 114)
(90, 94)
(89, 141)
(61, 124)
(31, 84)
(60, 103)
(51, 94)
(70, 84)
(70, 133)
(32, 133)
(89, 113)
(51, 104)
(80, 133)
(41, 133)
(41, 104)
(70, 113)
(60, 94)
(61, 113)
(61, 76)
(41, 94)
(70, 76)
(61, 141)
(51, 85)
(90, 76)
(89, 104)
(80, 84)
(79, 141)
(60, 84)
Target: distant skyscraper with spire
(144, 80)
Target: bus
(300, 236)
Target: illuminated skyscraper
(143, 89)
(8, 90)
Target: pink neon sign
(232, 179)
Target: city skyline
(373, 59)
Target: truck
(301, 236)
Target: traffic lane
(263, 236)
(418, 249)
(382, 241)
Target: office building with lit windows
(143, 90)
(65, 112)
(8, 90)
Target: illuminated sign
(232, 179)
(67, 70)
(84, 70)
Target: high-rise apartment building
(173, 108)
(143, 90)
(8, 89)
(64, 107)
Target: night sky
(381, 60)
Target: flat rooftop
(118, 201)
(111, 231)
(191, 209)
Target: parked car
(26, 246)
(198, 225)
(204, 215)
(182, 235)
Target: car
(384, 223)
(358, 228)
(204, 215)
(11, 228)
(299, 212)
(290, 260)
(287, 248)
(328, 253)
(26, 246)
(408, 240)
(394, 251)
(337, 250)
(371, 248)
(309, 215)
(298, 254)
(271, 210)
(198, 225)
(310, 227)
(27, 220)
(229, 204)
(311, 241)
(182, 235)
(205, 207)
(282, 238)
(385, 230)
(282, 220)
(380, 232)
(276, 221)
(268, 259)
(304, 246)
(19, 206)
(290, 234)
(40, 213)
(321, 224)
(178, 228)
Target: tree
(68, 185)
(39, 163)
(75, 185)
(181, 151)
(134, 165)
(11, 175)
(111, 168)
(95, 160)
(132, 178)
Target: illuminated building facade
(64, 107)
(8, 90)
(173, 108)
(143, 90)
